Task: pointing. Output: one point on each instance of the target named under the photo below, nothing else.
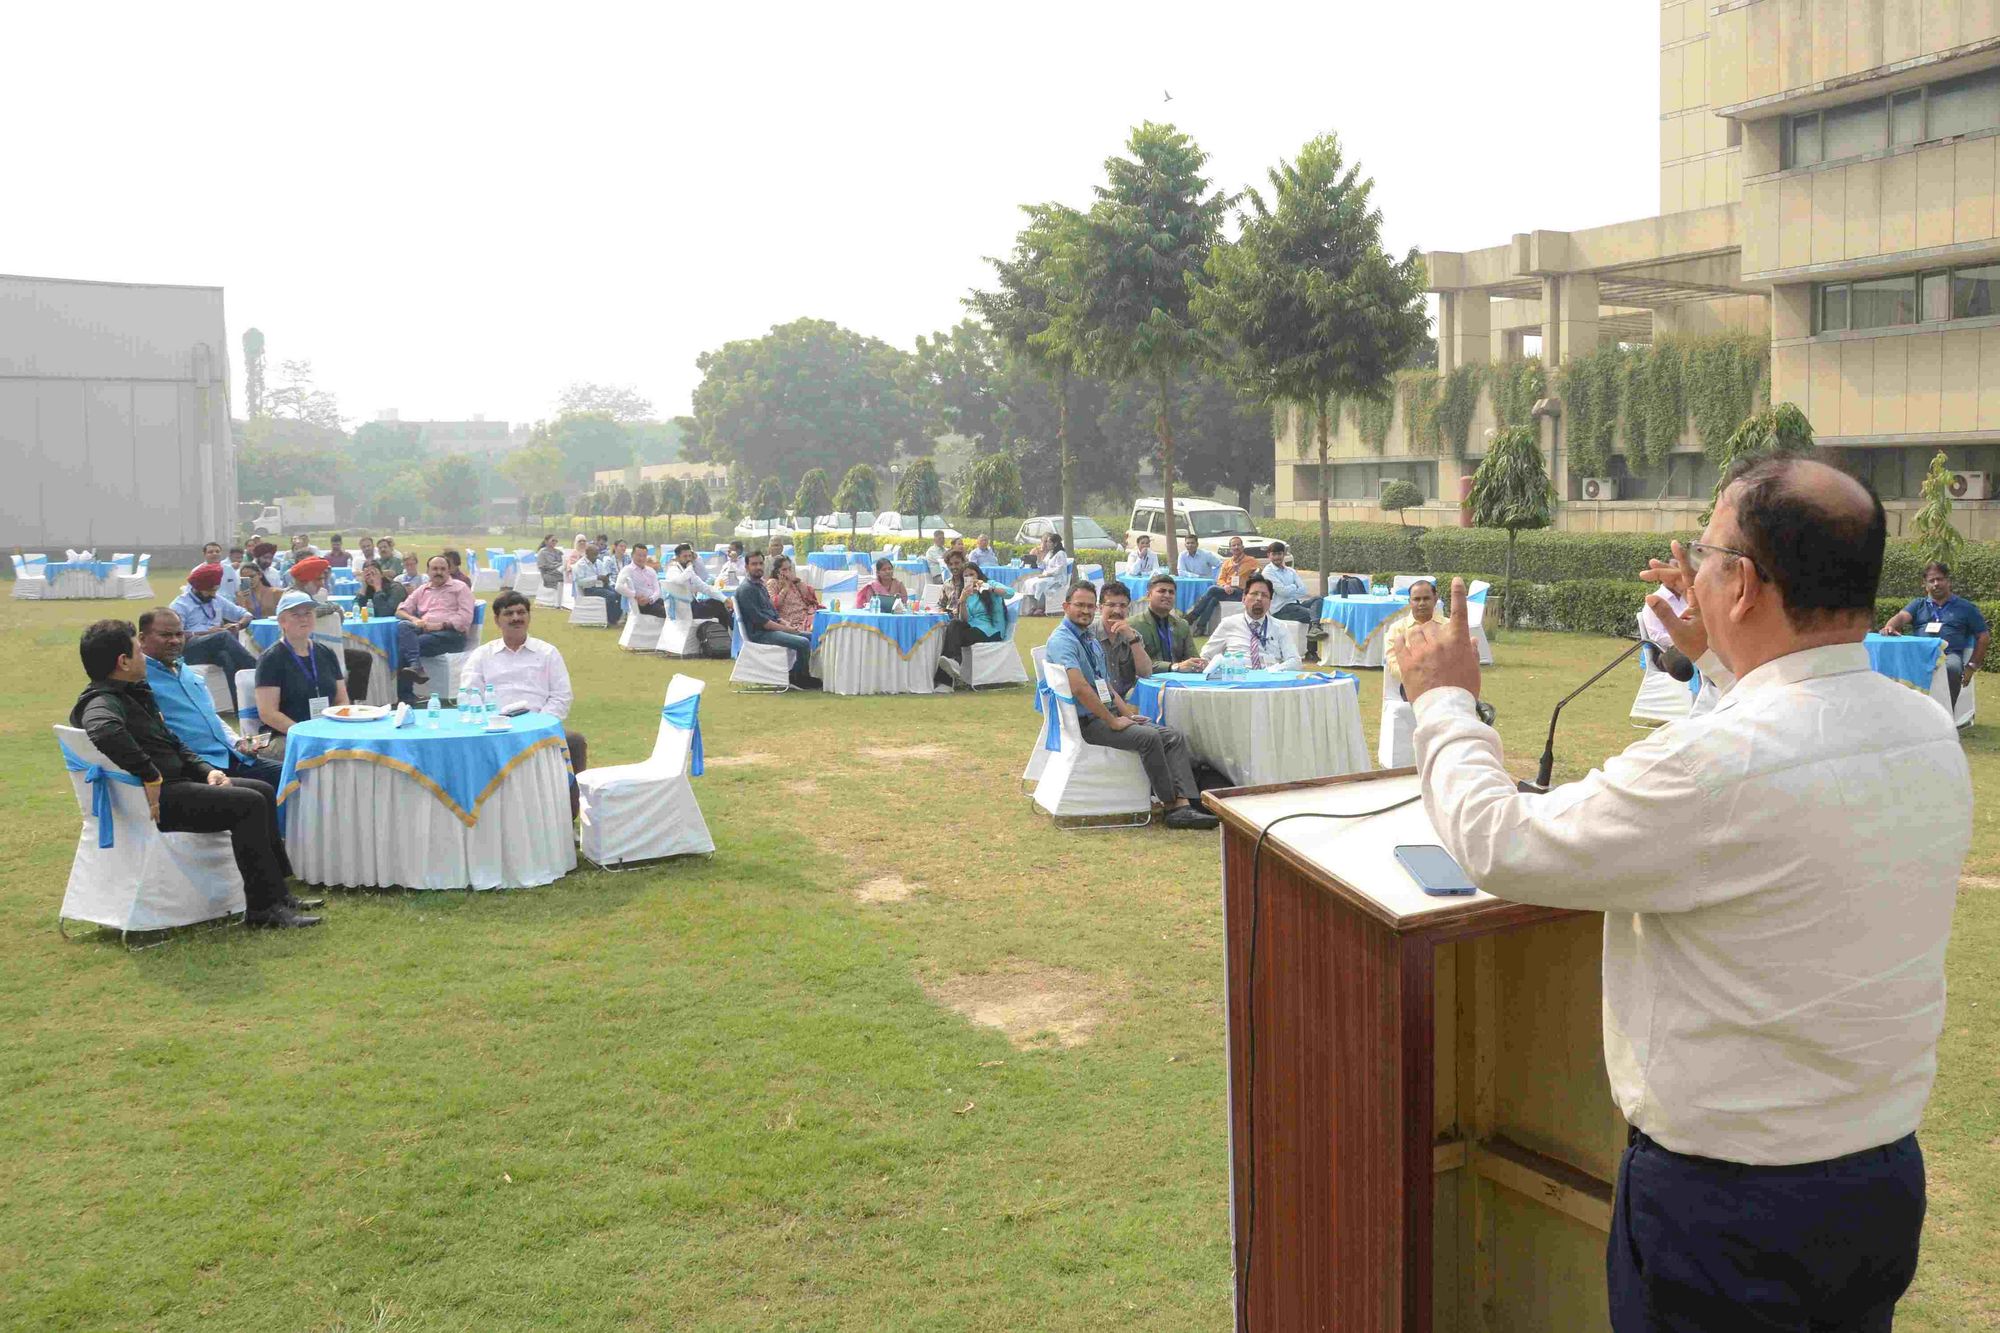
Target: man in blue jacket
(188, 707)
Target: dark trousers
(222, 650)
(413, 646)
(958, 636)
(1162, 750)
(1299, 613)
(579, 759)
(247, 810)
(656, 609)
(258, 770)
(360, 665)
(801, 646)
(1699, 1245)
(1954, 674)
(614, 605)
(1205, 606)
(710, 608)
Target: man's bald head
(1816, 534)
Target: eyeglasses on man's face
(1699, 552)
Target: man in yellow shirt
(1423, 606)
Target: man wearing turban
(212, 622)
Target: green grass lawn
(738, 1093)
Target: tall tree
(813, 498)
(1128, 275)
(919, 491)
(620, 402)
(807, 394)
(1931, 528)
(1316, 309)
(696, 501)
(1512, 490)
(1223, 432)
(298, 397)
(1020, 313)
(858, 491)
(991, 490)
(673, 498)
(957, 376)
(590, 442)
(452, 485)
(253, 373)
(769, 502)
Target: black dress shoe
(279, 917)
(1187, 816)
(298, 904)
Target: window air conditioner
(1968, 485)
(1600, 488)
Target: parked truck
(292, 513)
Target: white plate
(356, 713)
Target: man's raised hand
(1441, 654)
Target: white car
(1089, 533)
(1213, 523)
(862, 520)
(765, 528)
(897, 527)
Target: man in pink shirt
(435, 618)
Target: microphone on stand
(1546, 770)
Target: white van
(1211, 521)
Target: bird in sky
(1170, 96)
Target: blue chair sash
(98, 777)
(686, 716)
(1052, 732)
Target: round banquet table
(1915, 659)
(71, 580)
(1007, 576)
(367, 805)
(1355, 627)
(377, 635)
(1187, 589)
(828, 559)
(870, 652)
(1265, 726)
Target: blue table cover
(345, 601)
(378, 634)
(913, 566)
(905, 631)
(1149, 693)
(1008, 576)
(502, 563)
(459, 763)
(1910, 658)
(1187, 591)
(1363, 617)
(102, 569)
(827, 559)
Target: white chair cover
(996, 663)
(546, 594)
(134, 586)
(762, 666)
(31, 584)
(528, 581)
(676, 635)
(443, 669)
(146, 880)
(246, 702)
(1403, 582)
(645, 811)
(1968, 706)
(485, 580)
(641, 633)
(1038, 754)
(1475, 616)
(1087, 780)
(589, 612)
(1397, 746)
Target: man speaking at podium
(1777, 880)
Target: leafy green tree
(992, 490)
(551, 504)
(813, 498)
(622, 502)
(646, 499)
(620, 402)
(695, 501)
(1224, 435)
(590, 442)
(1780, 429)
(673, 500)
(452, 485)
(957, 376)
(768, 505)
(1931, 529)
(1512, 490)
(919, 492)
(1021, 312)
(858, 491)
(807, 394)
(1398, 495)
(1128, 274)
(1315, 307)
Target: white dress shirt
(232, 581)
(687, 583)
(1271, 638)
(1777, 880)
(1142, 562)
(533, 674)
(641, 585)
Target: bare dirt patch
(1979, 882)
(803, 787)
(1045, 1007)
(905, 754)
(735, 760)
(884, 889)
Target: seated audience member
(413, 575)
(517, 669)
(309, 577)
(379, 593)
(684, 579)
(575, 553)
(773, 549)
(1053, 564)
(1254, 632)
(386, 556)
(603, 544)
(364, 552)
(792, 597)
(1228, 585)
(952, 587)
(640, 582)
(455, 562)
(735, 566)
(1423, 607)
(619, 554)
(188, 707)
(211, 554)
(337, 556)
(958, 545)
(934, 553)
(1125, 655)
(1950, 617)
(884, 584)
(1143, 561)
(211, 623)
(184, 794)
(296, 671)
(436, 618)
(1169, 639)
(761, 624)
(978, 614)
(265, 554)
(232, 572)
(1196, 563)
(1104, 718)
(984, 555)
(1289, 598)
(596, 576)
(549, 561)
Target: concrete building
(714, 477)
(1827, 183)
(114, 417)
(485, 441)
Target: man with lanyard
(1253, 633)
(1125, 656)
(1228, 583)
(1143, 560)
(1103, 718)
(211, 554)
(211, 623)
(1168, 639)
(1952, 618)
(1196, 563)
(188, 707)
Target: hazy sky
(461, 209)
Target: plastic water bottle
(469, 705)
(432, 712)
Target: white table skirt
(1260, 736)
(80, 585)
(1339, 649)
(359, 824)
(852, 659)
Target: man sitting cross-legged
(212, 621)
(433, 620)
(188, 707)
(517, 669)
(1103, 718)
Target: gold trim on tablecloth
(422, 779)
(855, 624)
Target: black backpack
(712, 637)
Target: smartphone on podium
(1434, 871)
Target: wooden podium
(1422, 1136)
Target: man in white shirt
(684, 579)
(1196, 563)
(1253, 633)
(641, 582)
(517, 669)
(1143, 562)
(593, 577)
(1290, 599)
(734, 568)
(1777, 880)
(934, 553)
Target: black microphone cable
(1250, 1040)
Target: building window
(1802, 141)
(1850, 131)
(1906, 117)
(1973, 291)
(1961, 106)
(1882, 303)
(1918, 115)
(1833, 307)
(1937, 296)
